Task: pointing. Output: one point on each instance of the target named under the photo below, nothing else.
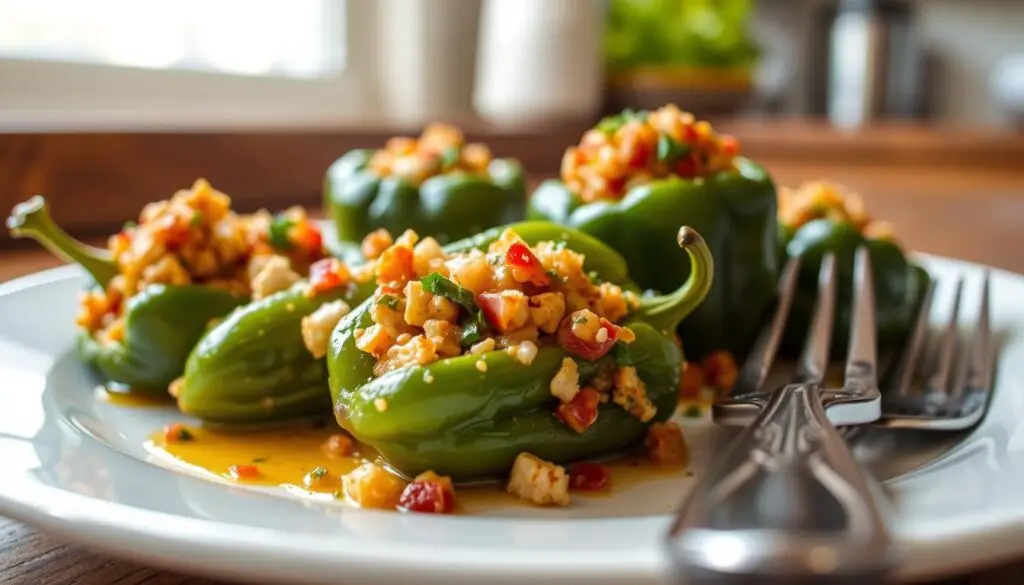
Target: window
(184, 62)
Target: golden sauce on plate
(122, 396)
(287, 457)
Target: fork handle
(787, 502)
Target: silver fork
(955, 395)
(787, 501)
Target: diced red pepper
(586, 349)
(174, 433)
(690, 134)
(427, 496)
(692, 381)
(589, 477)
(730, 145)
(244, 471)
(720, 370)
(581, 411)
(525, 266)
(175, 235)
(308, 237)
(325, 275)
(687, 167)
(498, 311)
(616, 186)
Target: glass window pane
(257, 37)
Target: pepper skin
(470, 424)
(447, 207)
(162, 322)
(899, 284)
(253, 366)
(735, 212)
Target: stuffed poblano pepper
(163, 280)
(637, 176)
(264, 361)
(436, 185)
(821, 217)
(524, 339)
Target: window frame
(41, 95)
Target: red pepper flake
(525, 265)
(587, 349)
(429, 493)
(244, 471)
(690, 134)
(174, 433)
(589, 477)
(325, 275)
(581, 411)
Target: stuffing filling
(431, 305)
(539, 482)
(441, 149)
(825, 200)
(195, 238)
(633, 148)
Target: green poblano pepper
(899, 284)
(254, 366)
(162, 322)
(447, 207)
(735, 212)
(451, 417)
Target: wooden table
(982, 226)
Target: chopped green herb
(559, 246)
(259, 460)
(278, 233)
(197, 219)
(593, 276)
(185, 434)
(579, 319)
(389, 301)
(693, 411)
(128, 225)
(450, 156)
(474, 324)
(318, 472)
(610, 124)
(669, 151)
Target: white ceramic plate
(75, 466)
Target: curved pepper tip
(22, 214)
(688, 237)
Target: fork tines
(958, 378)
(859, 396)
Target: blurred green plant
(696, 33)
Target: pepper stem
(665, 312)
(32, 219)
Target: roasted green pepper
(735, 212)
(253, 366)
(461, 420)
(447, 206)
(899, 284)
(162, 322)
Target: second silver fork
(787, 501)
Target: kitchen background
(66, 63)
(916, 104)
